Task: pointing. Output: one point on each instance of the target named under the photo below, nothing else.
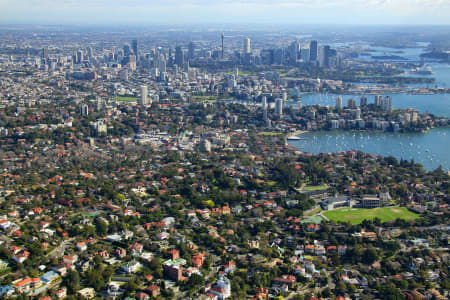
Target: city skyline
(140, 12)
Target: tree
(101, 227)
(195, 280)
(370, 256)
(72, 281)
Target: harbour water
(438, 104)
(431, 149)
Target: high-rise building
(357, 113)
(278, 56)
(264, 107)
(339, 103)
(246, 46)
(205, 145)
(386, 103)
(294, 49)
(279, 107)
(313, 51)
(134, 47)
(363, 101)
(179, 56)
(351, 103)
(132, 62)
(326, 56)
(100, 104)
(222, 36)
(378, 100)
(144, 99)
(44, 54)
(191, 50)
(126, 50)
(80, 56)
(305, 55)
(84, 110)
(90, 52)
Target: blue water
(438, 104)
(399, 145)
(430, 149)
(441, 74)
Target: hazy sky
(216, 11)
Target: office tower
(313, 51)
(160, 63)
(126, 50)
(363, 101)
(222, 36)
(351, 103)
(278, 56)
(84, 110)
(132, 62)
(44, 54)
(179, 56)
(339, 104)
(191, 50)
(279, 107)
(293, 51)
(134, 47)
(246, 46)
(79, 56)
(326, 56)
(144, 100)
(378, 100)
(90, 52)
(304, 54)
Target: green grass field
(270, 133)
(315, 188)
(357, 215)
(126, 99)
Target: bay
(431, 149)
(438, 104)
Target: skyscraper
(378, 100)
(84, 110)
(313, 51)
(132, 62)
(279, 107)
(144, 100)
(179, 56)
(351, 103)
(222, 36)
(326, 56)
(80, 57)
(246, 46)
(134, 47)
(293, 51)
(90, 52)
(191, 50)
(126, 50)
(363, 101)
(44, 54)
(339, 102)
(386, 103)
(264, 107)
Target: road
(59, 251)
